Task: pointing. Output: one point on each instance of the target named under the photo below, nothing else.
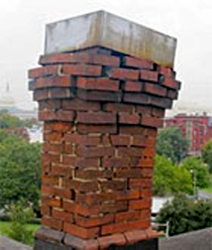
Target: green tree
(19, 216)
(198, 169)
(8, 121)
(19, 171)
(172, 144)
(170, 179)
(185, 215)
(207, 154)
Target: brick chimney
(102, 88)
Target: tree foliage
(198, 169)
(207, 154)
(19, 170)
(171, 144)
(19, 216)
(185, 215)
(170, 179)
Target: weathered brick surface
(101, 111)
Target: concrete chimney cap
(113, 32)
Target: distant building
(7, 103)
(196, 128)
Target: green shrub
(185, 215)
(19, 216)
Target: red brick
(52, 137)
(96, 118)
(56, 81)
(149, 152)
(47, 115)
(128, 173)
(52, 223)
(49, 180)
(133, 86)
(83, 186)
(98, 84)
(61, 215)
(53, 147)
(93, 174)
(148, 75)
(122, 227)
(103, 129)
(69, 149)
(47, 190)
(75, 138)
(107, 241)
(135, 236)
(157, 112)
(85, 162)
(138, 63)
(155, 89)
(132, 130)
(143, 109)
(82, 70)
(80, 232)
(129, 152)
(147, 172)
(40, 94)
(55, 203)
(65, 115)
(82, 57)
(140, 204)
(59, 93)
(140, 183)
(127, 216)
(136, 98)
(116, 162)
(118, 107)
(170, 82)
(77, 104)
(68, 160)
(51, 157)
(94, 221)
(126, 118)
(118, 206)
(166, 71)
(139, 141)
(165, 103)
(87, 210)
(61, 126)
(60, 170)
(146, 193)
(44, 71)
(152, 121)
(90, 152)
(78, 243)
(68, 206)
(104, 96)
(49, 104)
(124, 74)
(146, 213)
(172, 94)
(120, 140)
(126, 195)
(62, 192)
(113, 185)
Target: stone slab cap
(110, 31)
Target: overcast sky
(22, 26)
